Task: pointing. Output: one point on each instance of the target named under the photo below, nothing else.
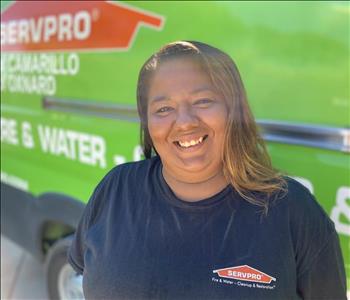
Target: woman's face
(186, 120)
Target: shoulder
(296, 189)
(120, 183)
(310, 227)
(131, 171)
(303, 204)
(303, 212)
(138, 168)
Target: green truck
(68, 108)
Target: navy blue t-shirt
(137, 240)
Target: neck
(195, 191)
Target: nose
(186, 118)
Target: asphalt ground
(22, 276)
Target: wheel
(63, 283)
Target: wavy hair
(247, 165)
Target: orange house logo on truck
(245, 273)
(72, 25)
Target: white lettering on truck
(35, 73)
(63, 27)
(27, 135)
(340, 213)
(9, 131)
(86, 148)
(41, 63)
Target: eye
(204, 102)
(163, 110)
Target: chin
(200, 169)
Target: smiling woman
(205, 215)
(191, 91)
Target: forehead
(178, 75)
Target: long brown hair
(247, 165)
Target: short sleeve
(325, 278)
(76, 251)
(319, 261)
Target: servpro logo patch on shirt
(243, 274)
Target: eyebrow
(159, 98)
(196, 91)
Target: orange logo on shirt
(245, 273)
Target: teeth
(190, 143)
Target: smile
(191, 143)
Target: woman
(205, 216)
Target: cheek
(217, 120)
(158, 129)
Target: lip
(189, 138)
